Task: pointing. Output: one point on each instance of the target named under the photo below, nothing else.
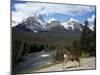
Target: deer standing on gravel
(68, 56)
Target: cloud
(91, 22)
(44, 8)
(91, 19)
(16, 20)
(71, 10)
(23, 10)
(17, 17)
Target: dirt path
(86, 63)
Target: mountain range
(37, 24)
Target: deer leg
(78, 60)
(65, 62)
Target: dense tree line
(88, 39)
(21, 48)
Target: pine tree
(94, 39)
(85, 41)
(83, 36)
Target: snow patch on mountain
(52, 19)
(39, 18)
(72, 19)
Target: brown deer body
(68, 56)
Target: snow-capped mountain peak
(39, 18)
(72, 19)
(33, 23)
(72, 24)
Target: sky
(51, 11)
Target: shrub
(59, 55)
(84, 54)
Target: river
(35, 60)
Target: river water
(35, 60)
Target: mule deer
(68, 56)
